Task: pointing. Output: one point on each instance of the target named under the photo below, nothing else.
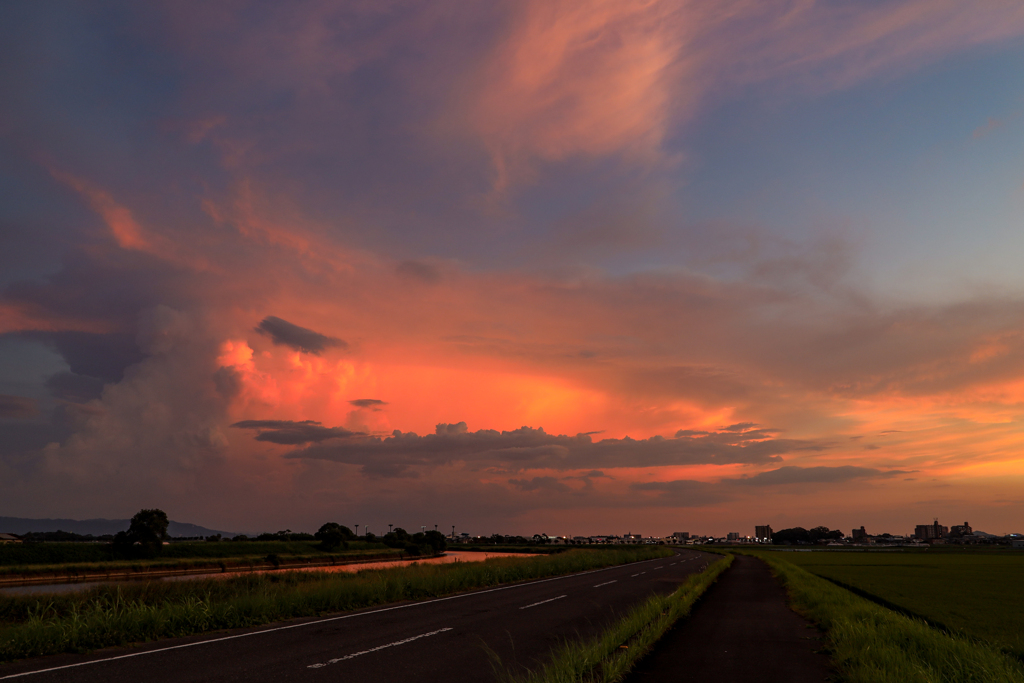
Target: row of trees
(801, 536)
(147, 532)
(333, 536)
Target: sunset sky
(520, 267)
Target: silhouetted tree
(148, 529)
(333, 535)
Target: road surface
(446, 639)
(742, 630)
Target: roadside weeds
(871, 644)
(610, 656)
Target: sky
(516, 267)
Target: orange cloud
(613, 78)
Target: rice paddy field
(976, 593)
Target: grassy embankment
(611, 655)
(135, 612)
(872, 644)
(972, 592)
(71, 559)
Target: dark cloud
(299, 338)
(17, 407)
(104, 356)
(420, 271)
(67, 386)
(529, 448)
(684, 492)
(539, 483)
(690, 493)
(291, 433)
(371, 403)
(792, 474)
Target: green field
(974, 592)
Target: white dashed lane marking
(542, 602)
(376, 649)
(605, 583)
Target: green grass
(976, 593)
(134, 612)
(872, 644)
(611, 655)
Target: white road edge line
(318, 621)
(605, 583)
(542, 602)
(634, 576)
(376, 649)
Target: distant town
(922, 536)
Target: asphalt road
(446, 639)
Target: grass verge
(871, 644)
(126, 613)
(610, 656)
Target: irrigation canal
(456, 638)
(76, 587)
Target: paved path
(740, 631)
(442, 640)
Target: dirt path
(740, 631)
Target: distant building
(763, 534)
(9, 538)
(959, 530)
(1017, 544)
(680, 536)
(733, 536)
(859, 535)
(930, 532)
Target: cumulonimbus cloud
(299, 338)
(18, 407)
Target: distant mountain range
(97, 527)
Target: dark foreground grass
(610, 656)
(127, 613)
(872, 644)
(976, 592)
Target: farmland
(976, 593)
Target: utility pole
(453, 532)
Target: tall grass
(126, 613)
(871, 644)
(610, 656)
